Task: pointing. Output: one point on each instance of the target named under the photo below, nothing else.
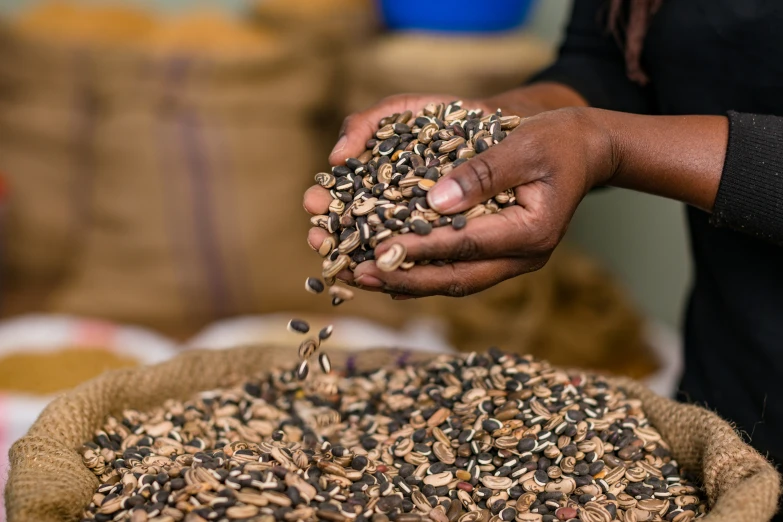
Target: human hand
(356, 130)
(360, 127)
(551, 161)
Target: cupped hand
(360, 127)
(550, 160)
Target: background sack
(740, 484)
(160, 188)
(336, 23)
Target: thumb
(477, 180)
(355, 132)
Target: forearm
(677, 157)
(538, 97)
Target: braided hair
(639, 14)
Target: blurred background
(153, 156)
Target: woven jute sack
(49, 483)
(161, 187)
(334, 23)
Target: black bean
(299, 326)
(353, 163)
(421, 227)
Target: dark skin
(562, 150)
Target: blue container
(454, 16)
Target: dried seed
(327, 246)
(307, 348)
(298, 326)
(302, 370)
(392, 258)
(336, 206)
(425, 184)
(407, 265)
(421, 227)
(326, 364)
(325, 333)
(443, 453)
(451, 144)
(235, 512)
(385, 132)
(341, 293)
(314, 285)
(510, 122)
(333, 268)
(459, 221)
(333, 222)
(325, 179)
(493, 482)
(349, 244)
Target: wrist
(515, 102)
(532, 99)
(677, 157)
(603, 148)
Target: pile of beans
(382, 193)
(495, 437)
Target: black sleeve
(591, 62)
(750, 195)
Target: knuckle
(572, 115)
(548, 243)
(537, 156)
(537, 264)
(401, 288)
(477, 175)
(514, 222)
(467, 248)
(458, 289)
(347, 122)
(460, 282)
(542, 232)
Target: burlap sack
(335, 23)
(472, 67)
(48, 482)
(162, 188)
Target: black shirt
(714, 57)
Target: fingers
(514, 232)
(455, 280)
(356, 130)
(316, 200)
(483, 177)
(360, 127)
(316, 236)
(347, 277)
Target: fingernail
(311, 245)
(445, 195)
(369, 281)
(340, 144)
(397, 297)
